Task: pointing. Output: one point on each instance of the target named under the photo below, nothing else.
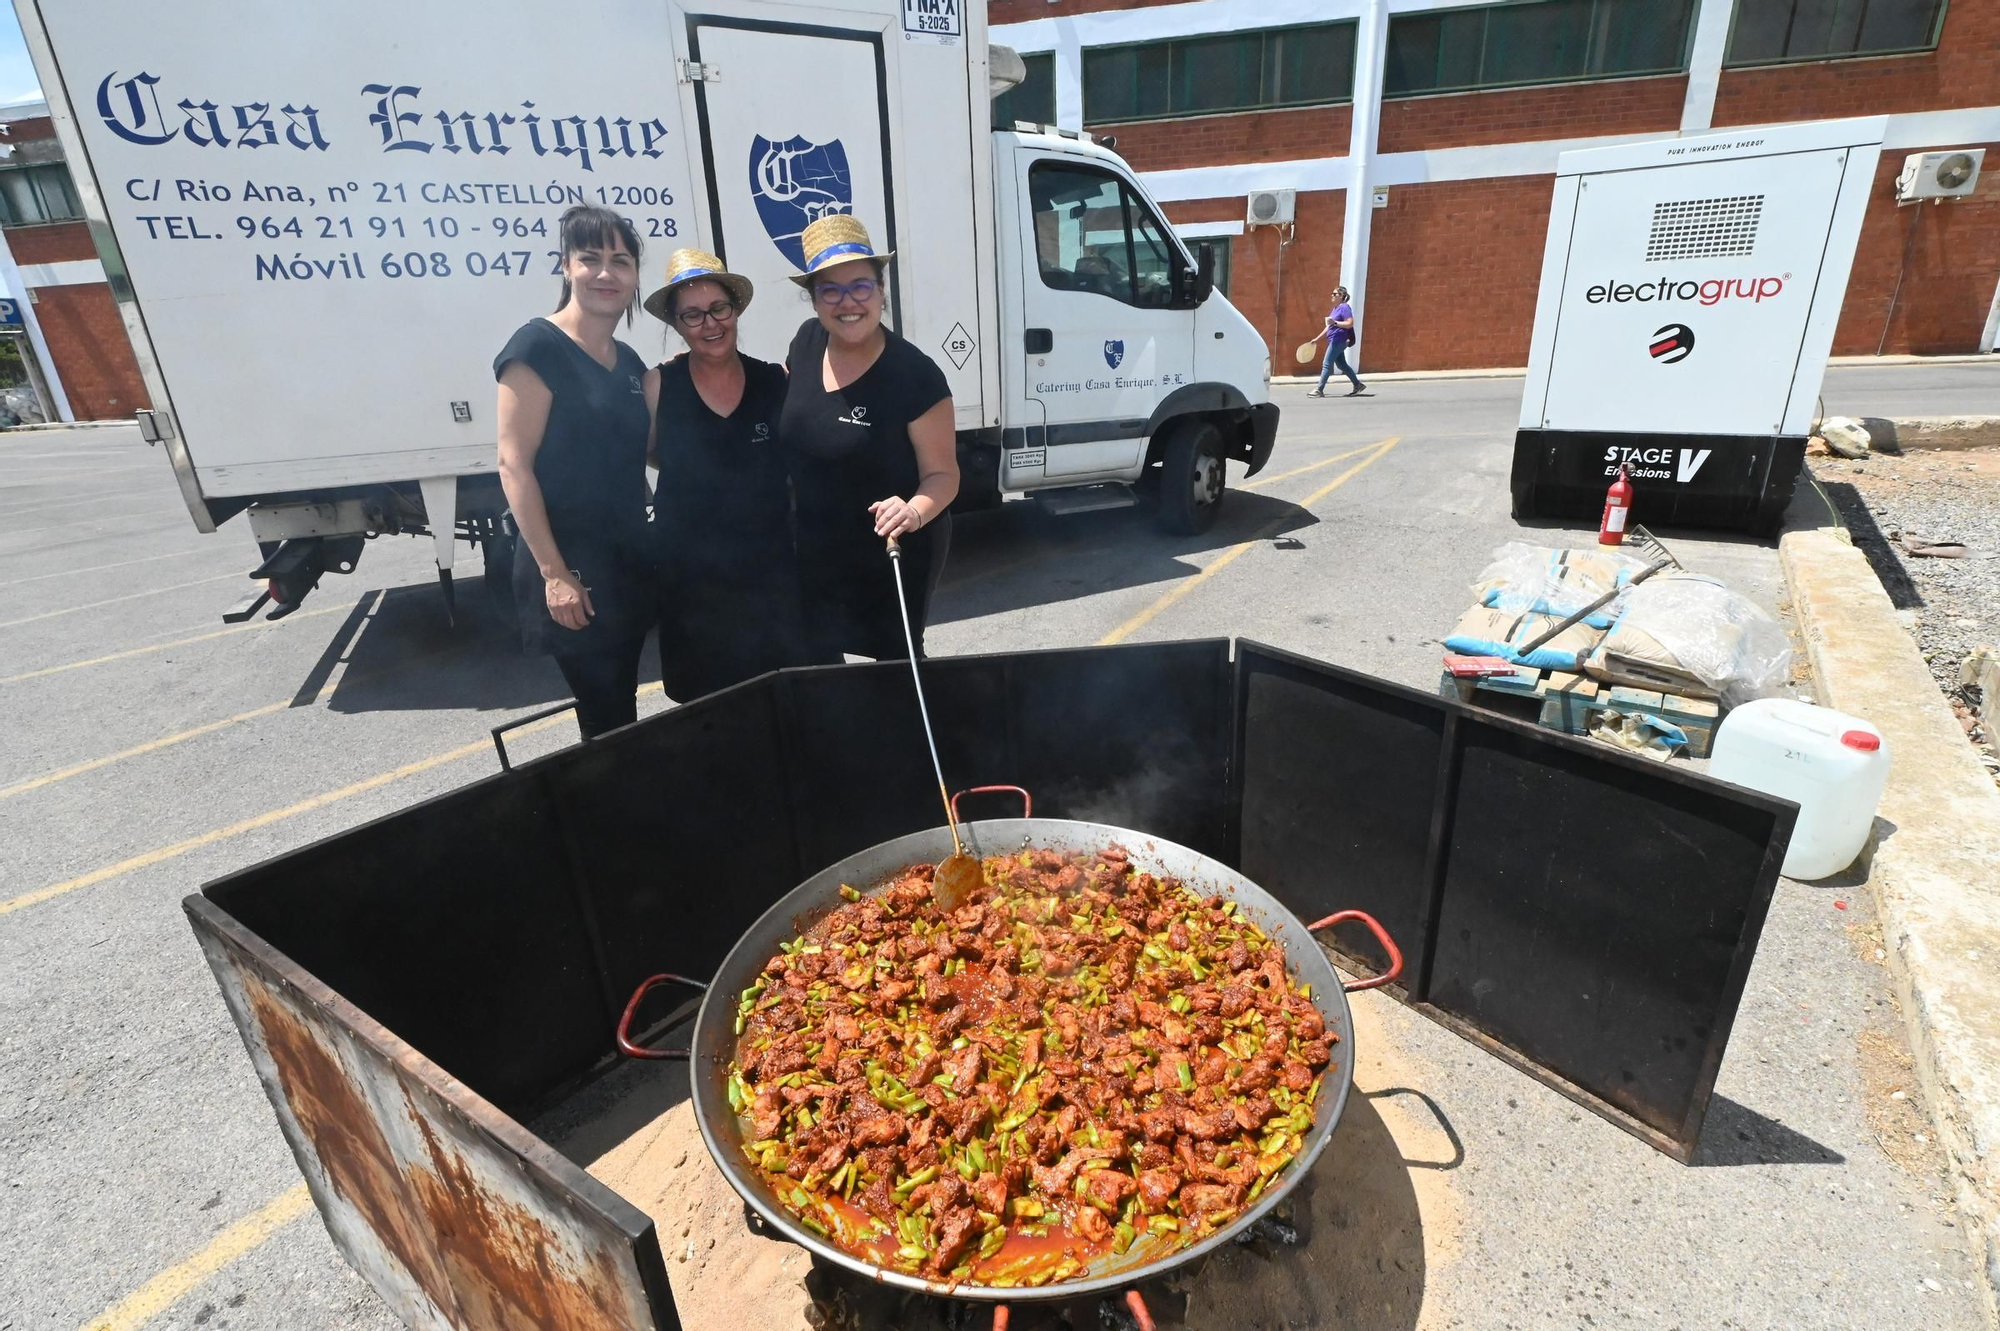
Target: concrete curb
(1945, 432)
(1935, 870)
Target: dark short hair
(589, 227)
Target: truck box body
(332, 220)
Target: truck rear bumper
(1263, 437)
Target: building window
(1770, 31)
(1033, 99)
(1243, 71)
(30, 194)
(1094, 234)
(1544, 41)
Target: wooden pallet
(1566, 702)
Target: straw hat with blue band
(684, 266)
(835, 239)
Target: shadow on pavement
(402, 654)
(1735, 1135)
(1873, 542)
(1021, 555)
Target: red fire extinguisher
(1617, 508)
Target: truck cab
(1126, 367)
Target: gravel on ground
(1952, 605)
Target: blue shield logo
(1114, 353)
(794, 184)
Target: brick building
(1421, 137)
(57, 264)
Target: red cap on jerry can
(1864, 740)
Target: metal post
(1902, 268)
(55, 402)
(1371, 42)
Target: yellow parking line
(99, 568)
(78, 769)
(236, 829)
(1235, 552)
(1310, 466)
(251, 627)
(165, 1289)
(117, 600)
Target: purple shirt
(1340, 336)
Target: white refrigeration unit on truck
(332, 217)
(1690, 289)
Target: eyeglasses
(722, 312)
(833, 293)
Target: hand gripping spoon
(959, 876)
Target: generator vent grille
(1704, 228)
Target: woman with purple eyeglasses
(871, 438)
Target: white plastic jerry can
(1834, 766)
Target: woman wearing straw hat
(869, 429)
(575, 413)
(729, 603)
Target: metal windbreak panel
(1587, 916)
(1339, 782)
(457, 1216)
(1598, 918)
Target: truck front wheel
(1191, 479)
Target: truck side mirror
(1204, 276)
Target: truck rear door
(776, 161)
(1098, 266)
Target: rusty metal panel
(460, 1218)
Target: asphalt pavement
(147, 748)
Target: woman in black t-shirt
(729, 600)
(869, 431)
(575, 415)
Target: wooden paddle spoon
(959, 876)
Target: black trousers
(605, 685)
(850, 604)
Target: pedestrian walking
(1339, 335)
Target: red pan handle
(1381, 936)
(1027, 800)
(625, 1044)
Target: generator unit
(1690, 291)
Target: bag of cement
(1638, 733)
(1484, 631)
(1684, 633)
(1541, 580)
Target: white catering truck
(322, 222)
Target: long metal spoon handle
(923, 710)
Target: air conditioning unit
(1270, 207)
(1945, 175)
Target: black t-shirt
(592, 462)
(851, 447)
(722, 507)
